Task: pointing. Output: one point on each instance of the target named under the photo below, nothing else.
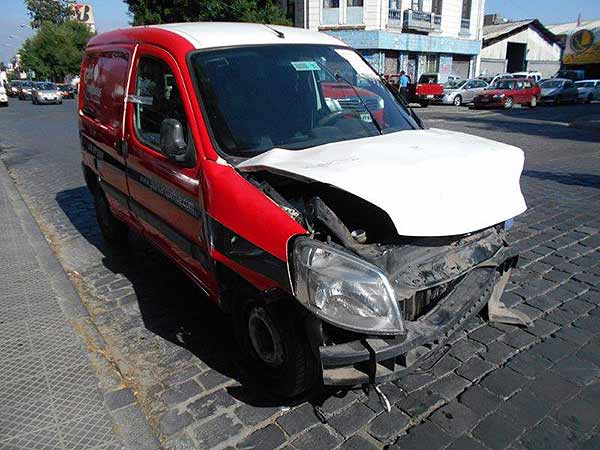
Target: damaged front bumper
(378, 359)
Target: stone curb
(131, 425)
(587, 123)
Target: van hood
(430, 182)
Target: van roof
(203, 35)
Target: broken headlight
(343, 289)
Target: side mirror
(172, 140)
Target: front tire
(113, 230)
(275, 346)
(424, 103)
(457, 100)
(508, 104)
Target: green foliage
(147, 12)
(56, 50)
(40, 11)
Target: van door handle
(122, 148)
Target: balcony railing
(465, 25)
(414, 20)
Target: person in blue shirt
(403, 83)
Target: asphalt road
(500, 387)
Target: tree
(56, 49)
(147, 12)
(40, 11)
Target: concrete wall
(492, 66)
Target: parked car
(66, 90)
(13, 88)
(570, 74)
(25, 88)
(559, 90)
(498, 76)
(508, 92)
(535, 76)
(44, 93)
(588, 90)
(461, 92)
(217, 142)
(3, 96)
(428, 88)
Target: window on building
(432, 63)
(416, 5)
(158, 99)
(466, 9)
(331, 4)
(436, 7)
(356, 3)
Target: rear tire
(424, 103)
(457, 100)
(113, 230)
(275, 346)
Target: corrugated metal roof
(494, 31)
(566, 28)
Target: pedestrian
(403, 84)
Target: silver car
(588, 90)
(463, 91)
(44, 93)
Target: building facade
(416, 36)
(519, 46)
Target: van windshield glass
(293, 97)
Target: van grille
(424, 301)
(354, 103)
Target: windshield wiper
(337, 76)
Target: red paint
(520, 96)
(216, 188)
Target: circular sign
(582, 40)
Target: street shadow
(571, 179)
(173, 307)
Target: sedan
(588, 90)
(44, 93)
(463, 91)
(66, 90)
(25, 88)
(559, 90)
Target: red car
(423, 92)
(505, 93)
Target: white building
(416, 36)
(519, 46)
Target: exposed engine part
(360, 236)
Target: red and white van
(274, 166)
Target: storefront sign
(583, 47)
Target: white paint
(224, 34)
(431, 182)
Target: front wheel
(113, 230)
(275, 346)
(508, 103)
(424, 103)
(457, 100)
(533, 102)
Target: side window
(568, 84)
(519, 85)
(527, 84)
(158, 99)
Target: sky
(111, 14)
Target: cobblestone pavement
(54, 395)
(500, 387)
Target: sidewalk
(56, 390)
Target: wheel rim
(533, 101)
(457, 101)
(265, 338)
(508, 103)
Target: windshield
(584, 84)
(455, 84)
(503, 84)
(63, 88)
(46, 86)
(551, 84)
(26, 84)
(293, 97)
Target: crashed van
(277, 169)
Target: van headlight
(344, 290)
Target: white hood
(430, 182)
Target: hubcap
(457, 101)
(265, 338)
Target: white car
(588, 90)
(461, 92)
(44, 93)
(3, 96)
(536, 76)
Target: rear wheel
(424, 103)
(275, 346)
(113, 230)
(508, 103)
(457, 100)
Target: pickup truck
(428, 88)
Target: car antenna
(276, 31)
